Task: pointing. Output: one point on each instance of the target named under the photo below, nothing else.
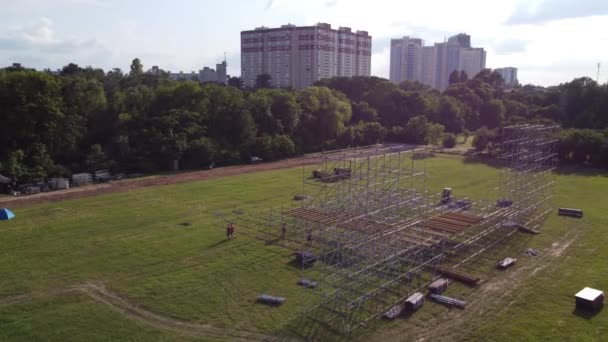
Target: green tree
(491, 78)
(413, 86)
(236, 82)
(483, 138)
(368, 133)
(283, 146)
(71, 69)
(200, 153)
(325, 114)
(228, 115)
(39, 164)
(417, 129)
(448, 140)
(454, 77)
(434, 133)
(137, 69)
(450, 114)
(363, 112)
(492, 113)
(96, 159)
(263, 81)
(463, 76)
(14, 166)
(31, 111)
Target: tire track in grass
(100, 294)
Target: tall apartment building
(447, 60)
(298, 56)
(432, 65)
(472, 61)
(509, 74)
(429, 65)
(221, 72)
(461, 39)
(207, 75)
(406, 59)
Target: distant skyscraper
(299, 56)
(472, 61)
(432, 65)
(406, 59)
(220, 72)
(509, 74)
(462, 39)
(429, 65)
(208, 75)
(447, 60)
(205, 75)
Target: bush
(449, 140)
(483, 138)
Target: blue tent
(6, 214)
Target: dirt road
(127, 185)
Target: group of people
(230, 230)
(308, 234)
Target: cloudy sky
(550, 41)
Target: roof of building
(589, 294)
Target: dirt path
(127, 185)
(102, 295)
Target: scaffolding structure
(526, 181)
(378, 235)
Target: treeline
(85, 119)
(411, 112)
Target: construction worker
(309, 237)
(283, 230)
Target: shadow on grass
(272, 242)
(219, 243)
(306, 328)
(566, 170)
(484, 159)
(294, 263)
(586, 313)
(270, 304)
(562, 169)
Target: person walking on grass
(232, 229)
(229, 230)
(309, 237)
(283, 230)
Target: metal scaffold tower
(376, 235)
(526, 182)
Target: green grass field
(164, 249)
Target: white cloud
(41, 32)
(551, 43)
(272, 4)
(36, 44)
(541, 11)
